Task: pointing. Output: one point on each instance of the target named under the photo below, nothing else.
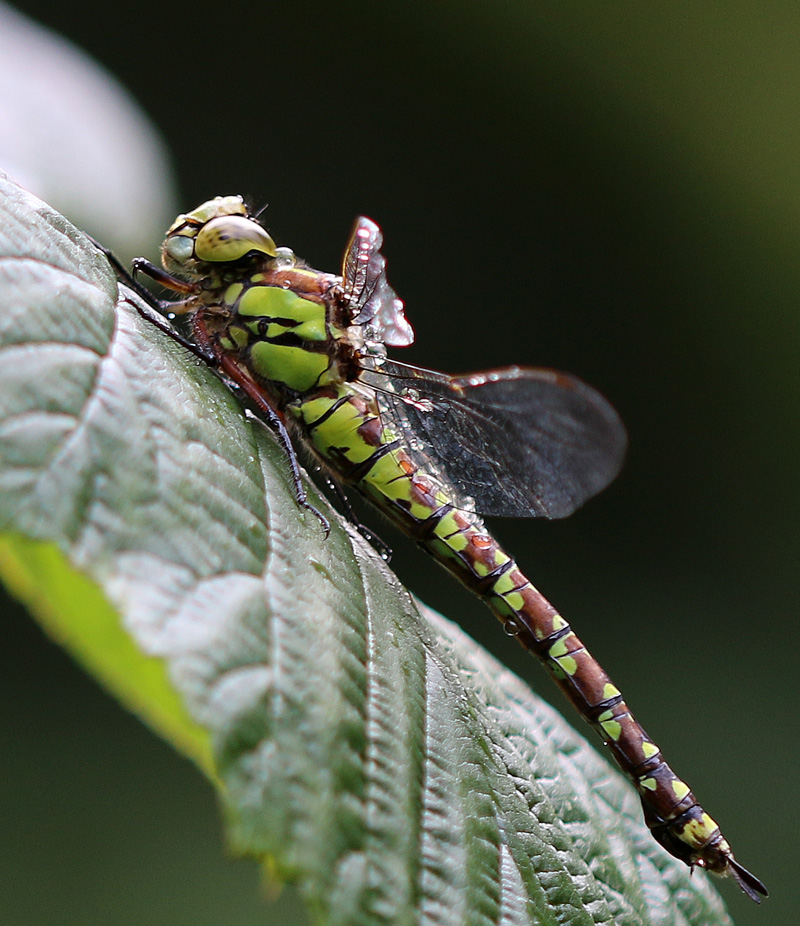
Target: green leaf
(369, 751)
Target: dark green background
(612, 189)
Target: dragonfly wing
(521, 442)
(367, 294)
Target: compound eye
(229, 237)
(179, 248)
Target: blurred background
(613, 190)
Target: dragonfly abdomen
(671, 810)
(346, 430)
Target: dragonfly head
(219, 231)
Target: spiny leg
(383, 549)
(124, 274)
(159, 307)
(275, 424)
(204, 349)
(271, 418)
(158, 321)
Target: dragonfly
(433, 452)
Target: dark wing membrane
(369, 298)
(522, 442)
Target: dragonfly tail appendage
(748, 882)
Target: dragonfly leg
(204, 349)
(268, 416)
(155, 318)
(274, 423)
(159, 307)
(124, 274)
(167, 280)
(383, 549)
(129, 279)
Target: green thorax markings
(279, 325)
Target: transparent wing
(368, 297)
(521, 442)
